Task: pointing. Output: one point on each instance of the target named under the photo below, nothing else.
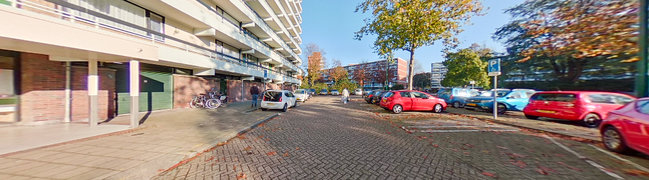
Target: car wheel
(502, 108)
(285, 108)
(531, 117)
(438, 108)
(397, 109)
(295, 104)
(456, 104)
(592, 120)
(264, 109)
(613, 140)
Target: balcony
(154, 46)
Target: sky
(331, 24)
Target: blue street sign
(493, 68)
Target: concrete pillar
(68, 101)
(134, 89)
(93, 90)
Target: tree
(314, 67)
(344, 83)
(465, 66)
(338, 72)
(573, 36)
(410, 24)
(422, 80)
(360, 74)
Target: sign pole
(495, 95)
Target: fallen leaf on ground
(241, 176)
(488, 174)
(241, 136)
(247, 148)
(435, 145)
(271, 153)
(502, 147)
(297, 148)
(234, 167)
(221, 143)
(635, 172)
(285, 154)
(520, 164)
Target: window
(555, 97)
(609, 99)
(419, 95)
(156, 24)
(515, 95)
(643, 106)
(405, 94)
(389, 94)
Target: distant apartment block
(375, 72)
(438, 72)
(90, 60)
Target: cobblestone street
(324, 139)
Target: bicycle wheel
(212, 103)
(194, 103)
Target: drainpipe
(68, 92)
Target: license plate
(471, 104)
(270, 104)
(545, 111)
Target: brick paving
(324, 139)
(166, 138)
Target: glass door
(8, 97)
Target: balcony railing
(259, 18)
(92, 18)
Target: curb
(216, 144)
(596, 140)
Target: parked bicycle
(209, 101)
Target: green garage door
(155, 91)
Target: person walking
(345, 97)
(255, 95)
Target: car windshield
(502, 93)
(334, 90)
(300, 91)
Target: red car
(404, 100)
(589, 107)
(627, 127)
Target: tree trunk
(411, 68)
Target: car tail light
(280, 99)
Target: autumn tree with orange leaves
(314, 67)
(573, 36)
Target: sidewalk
(165, 138)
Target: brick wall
(234, 90)
(42, 88)
(106, 95)
(186, 87)
(42, 96)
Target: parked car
(278, 99)
(456, 96)
(358, 92)
(508, 100)
(407, 100)
(301, 95)
(323, 92)
(627, 127)
(335, 92)
(367, 91)
(312, 92)
(368, 97)
(586, 106)
(377, 96)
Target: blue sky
(331, 25)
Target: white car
(335, 92)
(301, 95)
(278, 99)
(358, 92)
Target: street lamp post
(642, 79)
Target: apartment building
(374, 73)
(438, 72)
(90, 60)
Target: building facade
(374, 73)
(438, 72)
(90, 60)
